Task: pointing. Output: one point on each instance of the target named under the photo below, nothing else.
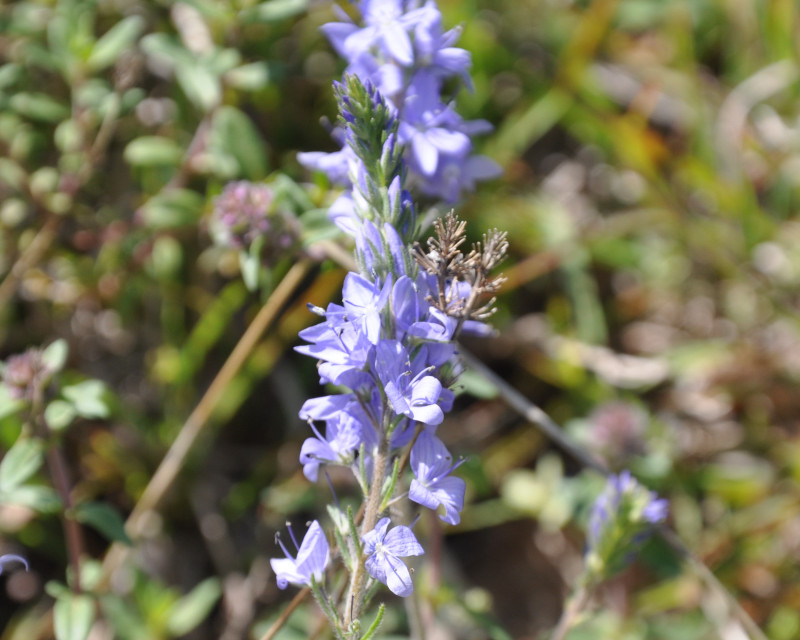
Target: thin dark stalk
(286, 613)
(57, 466)
(536, 416)
(73, 533)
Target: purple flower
(312, 559)
(384, 551)
(364, 302)
(343, 437)
(341, 346)
(387, 26)
(433, 485)
(24, 374)
(411, 395)
(622, 517)
(11, 558)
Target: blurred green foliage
(651, 190)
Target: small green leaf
(55, 355)
(12, 174)
(234, 133)
(153, 151)
(248, 77)
(112, 43)
(173, 208)
(73, 616)
(250, 266)
(33, 496)
(88, 398)
(39, 106)
(104, 518)
(9, 74)
(193, 608)
(200, 85)
(275, 10)
(165, 49)
(124, 618)
(59, 415)
(8, 404)
(20, 463)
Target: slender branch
(73, 533)
(57, 465)
(535, 415)
(570, 612)
(30, 256)
(175, 459)
(532, 413)
(282, 619)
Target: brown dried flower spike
(445, 260)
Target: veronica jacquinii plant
(391, 343)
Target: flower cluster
(245, 213)
(402, 49)
(390, 350)
(622, 518)
(24, 374)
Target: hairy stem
(355, 596)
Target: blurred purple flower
(622, 518)
(11, 558)
(245, 211)
(23, 374)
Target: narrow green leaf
(275, 10)
(103, 518)
(39, 106)
(112, 43)
(73, 616)
(250, 266)
(153, 151)
(191, 609)
(20, 463)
